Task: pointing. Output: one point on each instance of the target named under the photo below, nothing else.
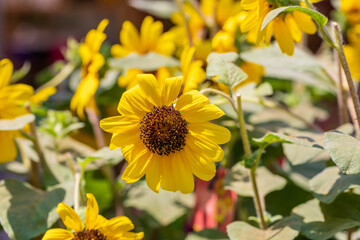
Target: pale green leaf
(207, 234)
(16, 123)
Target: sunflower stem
(341, 99)
(180, 7)
(206, 91)
(340, 50)
(60, 77)
(247, 150)
(77, 191)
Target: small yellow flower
(96, 226)
(165, 138)
(150, 39)
(12, 99)
(42, 95)
(352, 51)
(255, 73)
(287, 27)
(92, 62)
(351, 8)
(191, 70)
(223, 42)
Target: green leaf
(321, 221)
(270, 138)
(301, 67)
(344, 151)
(318, 17)
(328, 184)
(26, 212)
(286, 229)
(16, 123)
(148, 62)
(207, 234)
(238, 180)
(162, 208)
(158, 8)
(222, 66)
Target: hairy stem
(180, 7)
(340, 50)
(247, 150)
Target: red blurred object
(214, 206)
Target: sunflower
(287, 27)
(12, 100)
(150, 39)
(96, 226)
(191, 70)
(165, 138)
(351, 8)
(92, 62)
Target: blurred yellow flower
(351, 8)
(42, 95)
(352, 51)
(255, 73)
(12, 99)
(191, 70)
(150, 39)
(92, 62)
(287, 27)
(96, 226)
(223, 42)
(165, 138)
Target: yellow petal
(91, 212)
(304, 22)
(167, 178)
(213, 132)
(102, 25)
(200, 167)
(118, 224)
(138, 166)
(6, 70)
(190, 99)
(171, 90)
(195, 76)
(283, 36)
(96, 64)
(58, 234)
(149, 85)
(186, 58)
(119, 140)
(126, 235)
(42, 95)
(202, 113)
(8, 147)
(182, 173)
(153, 176)
(353, 58)
(129, 37)
(202, 147)
(119, 124)
(119, 51)
(129, 80)
(134, 102)
(294, 29)
(69, 217)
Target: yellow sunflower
(166, 138)
(351, 8)
(191, 70)
(12, 100)
(92, 62)
(150, 39)
(287, 27)
(96, 226)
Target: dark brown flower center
(163, 130)
(89, 235)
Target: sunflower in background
(287, 27)
(166, 138)
(352, 51)
(92, 62)
(351, 9)
(150, 39)
(96, 226)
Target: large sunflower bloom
(12, 99)
(150, 39)
(96, 226)
(287, 28)
(92, 62)
(165, 138)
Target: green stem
(340, 50)
(247, 150)
(60, 77)
(77, 190)
(206, 91)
